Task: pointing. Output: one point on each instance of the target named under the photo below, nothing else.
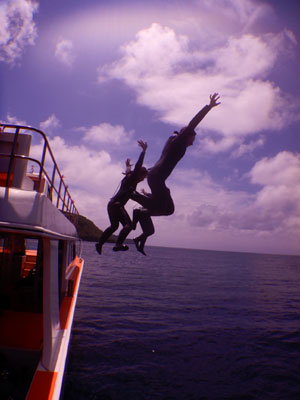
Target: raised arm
(140, 161)
(128, 166)
(201, 114)
(143, 145)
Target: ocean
(184, 324)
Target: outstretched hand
(201, 114)
(213, 100)
(143, 145)
(128, 167)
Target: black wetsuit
(115, 208)
(160, 202)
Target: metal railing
(58, 192)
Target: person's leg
(127, 227)
(144, 201)
(148, 230)
(162, 205)
(113, 210)
(159, 202)
(140, 243)
(136, 215)
(165, 206)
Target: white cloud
(173, 78)
(248, 148)
(290, 34)
(17, 28)
(14, 120)
(279, 197)
(81, 166)
(244, 57)
(106, 133)
(245, 13)
(222, 145)
(64, 52)
(274, 208)
(50, 124)
(282, 169)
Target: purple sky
(97, 76)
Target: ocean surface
(185, 325)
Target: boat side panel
(32, 210)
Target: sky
(96, 76)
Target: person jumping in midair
(159, 201)
(115, 208)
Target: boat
(40, 266)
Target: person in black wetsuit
(115, 208)
(159, 201)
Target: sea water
(185, 325)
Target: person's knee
(128, 226)
(169, 210)
(147, 225)
(114, 227)
(151, 231)
(166, 206)
(149, 228)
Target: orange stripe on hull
(42, 386)
(65, 310)
(66, 306)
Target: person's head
(143, 173)
(189, 138)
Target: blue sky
(97, 76)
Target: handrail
(67, 204)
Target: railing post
(64, 198)
(12, 157)
(52, 182)
(42, 168)
(68, 202)
(59, 190)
